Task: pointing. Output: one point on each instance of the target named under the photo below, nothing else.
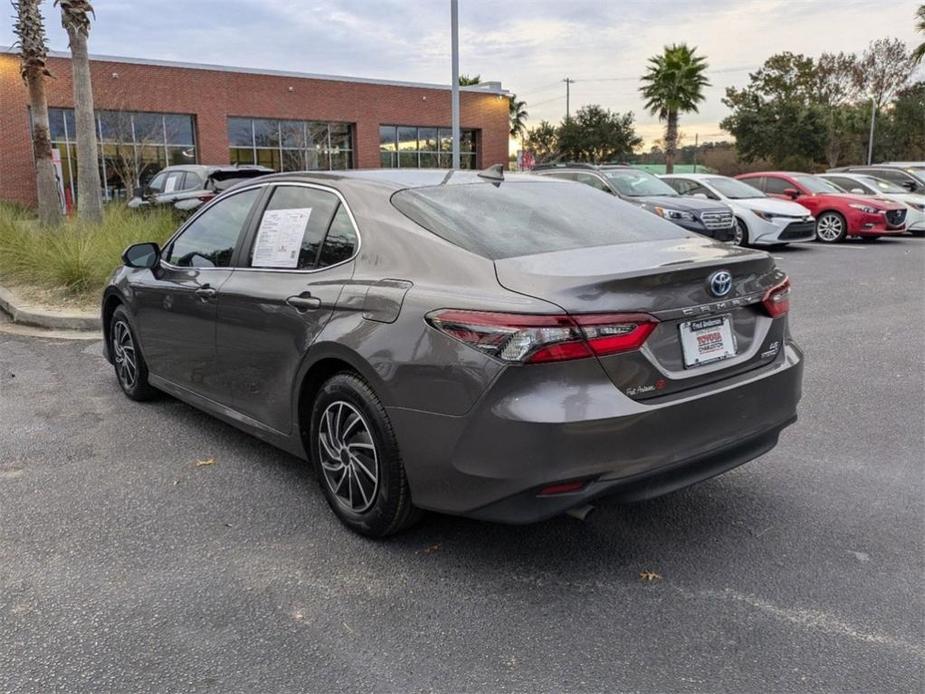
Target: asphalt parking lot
(127, 566)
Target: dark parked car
(188, 186)
(502, 349)
(908, 175)
(713, 219)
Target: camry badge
(720, 283)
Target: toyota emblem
(720, 283)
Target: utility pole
(870, 142)
(568, 83)
(454, 25)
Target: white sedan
(760, 220)
(864, 184)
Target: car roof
(695, 176)
(776, 173)
(397, 179)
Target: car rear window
(526, 217)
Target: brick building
(154, 113)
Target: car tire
(356, 456)
(127, 359)
(740, 235)
(831, 227)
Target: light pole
(568, 83)
(870, 142)
(454, 22)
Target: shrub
(76, 258)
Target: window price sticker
(279, 238)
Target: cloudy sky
(530, 46)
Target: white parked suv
(863, 184)
(760, 220)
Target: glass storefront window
(424, 147)
(290, 145)
(133, 146)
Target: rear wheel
(356, 455)
(831, 227)
(127, 359)
(740, 235)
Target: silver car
(500, 348)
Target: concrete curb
(24, 313)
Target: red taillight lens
(777, 299)
(524, 338)
(206, 198)
(562, 488)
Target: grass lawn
(71, 263)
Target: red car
(838, 214)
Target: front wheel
(831, 227)
(127, 359)
(356, 456)
(740, 236)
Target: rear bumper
(491, 463)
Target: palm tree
(519, 116)
(467, 81)
(674, 84)
(75, 18)
(919, 53)
(30, 31)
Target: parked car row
(771, 207)
(187, 187)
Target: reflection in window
(133, 147)
(290, 145)
(341, 241)
(415, 147)
(210, 239)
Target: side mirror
(859, 191)
(702, 196)
(142, 255)
(909, 185)
(792, 193)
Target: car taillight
(207, 197)
(777, 299)
(529, 339)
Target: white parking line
(848, 248)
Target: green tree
(75, 18)
(518, 110)
(596, 135)
(29, 28)
(542, 141)
(674, 84)
(919, 53)
(468, 81)
(777, 116)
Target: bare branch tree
(884, 69)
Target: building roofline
(486, 88)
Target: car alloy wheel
(123, 352)
(740, 235)
(830, 228)
(348, 456)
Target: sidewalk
(24, 312)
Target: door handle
(304, 302)
(206, 292)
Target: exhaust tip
(580, 512)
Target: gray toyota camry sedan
(503, 348)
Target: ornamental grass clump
(76, 258)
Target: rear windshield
(522, 218)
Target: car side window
(697, 189)
(846, 183)
(192, 181)
(341, 241)
(173, 182)
(210, 239)
(292, 228)
(776, 186)
(593, 181)
(679, 184)
(897, 177)
(157, 183)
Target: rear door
(176, 303)
(295, 262)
